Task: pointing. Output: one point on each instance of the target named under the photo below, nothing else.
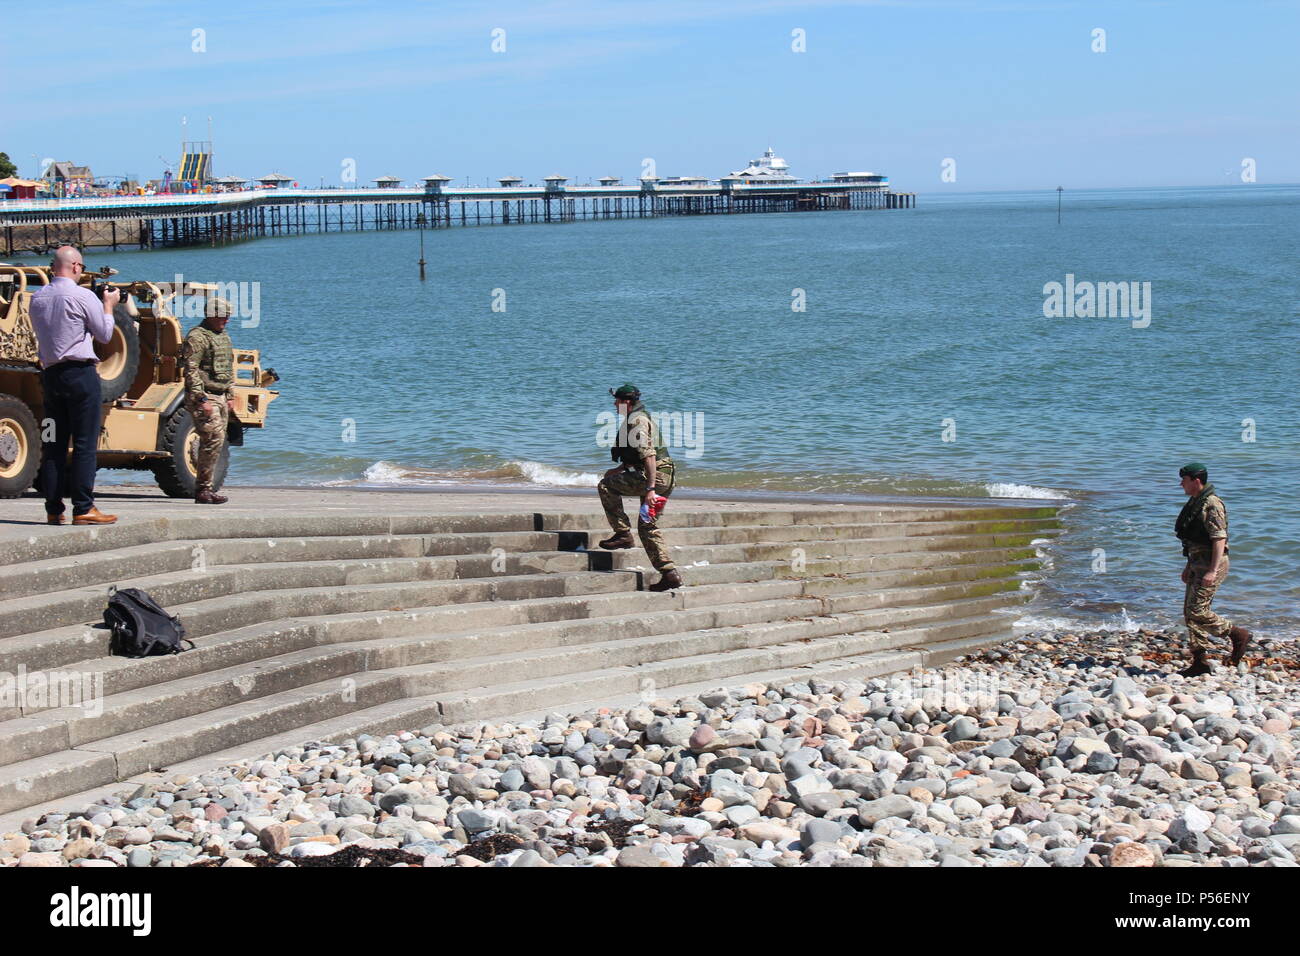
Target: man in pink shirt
(66, 318)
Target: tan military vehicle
(145, 423)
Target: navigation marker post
(420, 221)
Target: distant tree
(7, 167)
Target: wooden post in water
(419, 222)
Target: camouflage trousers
(211, 429)
(1201, 620)
(631, 484)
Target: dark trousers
(72, 402)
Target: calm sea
(921, 364)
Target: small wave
(1121, 623)
(1009, 489)
(390, 474)
(385, 473)
(540, 474)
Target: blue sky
(1012, 91)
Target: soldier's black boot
(622, 539)
(1240, 638)
(1198, 666)
(207, 497)
(668, 581)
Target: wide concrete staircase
(314, 627)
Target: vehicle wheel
(20, 447)
(119, 358)
(176, 474)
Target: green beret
(626, 391)
(1193, 469)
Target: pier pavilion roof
(768, 168)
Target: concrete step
(115, 758)
(62, 646)
(779, 534)
(173, 589)
(860, 667)
(802, 553)
(51, 542)
(136, 693)
(721, 667)
(837, 515)
(530, 622)
(213, 563)
(151, 697)
(561, 662)
(42, 778)
(47, 542)
(857, 667)
(717, 654)
(185, 593)
(536, 648)
(112, 566)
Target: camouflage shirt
(209, 362)
(644, 437)
(1215, 518)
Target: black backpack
(140, 626)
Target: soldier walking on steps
(1202, 526)
(644, 470)
(209, 374)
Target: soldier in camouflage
(644, 468)
(209, 373)
(1202, 526)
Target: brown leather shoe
(210, 498)
(623, 539)
(55, 519)
(1240, 637)
(669, 581)
(94, 516)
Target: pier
(37, 225)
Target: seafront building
(768, 168)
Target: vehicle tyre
(119, 358)
(176, 474)
(20, 447)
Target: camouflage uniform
(209, 373)
(643, 440)
(1201, 620)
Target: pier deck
(213, 218)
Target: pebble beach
(1064, 749)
